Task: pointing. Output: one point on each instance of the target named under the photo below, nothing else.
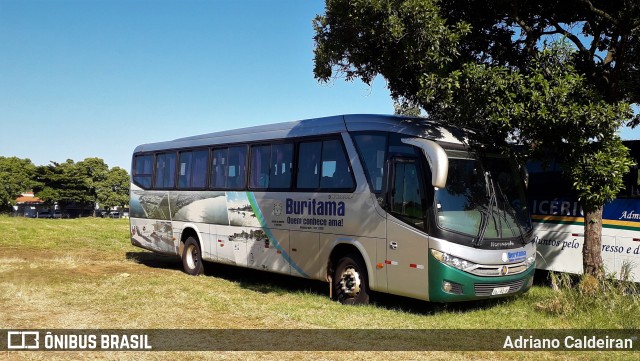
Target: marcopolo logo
(313, 207)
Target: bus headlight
(459, 263)
(530, 261)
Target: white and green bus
(364, 202)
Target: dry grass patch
(57, 274)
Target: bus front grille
(487, 289)
(498, 270)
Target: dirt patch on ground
(82, 262)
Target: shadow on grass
(267, 282)
(154, 260)
(420, 307)
(252, 279)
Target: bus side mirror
(436, 157)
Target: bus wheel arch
(348, 274)
(191, 252)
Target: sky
(96, 78)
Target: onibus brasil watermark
(41, 340)
(319, 340)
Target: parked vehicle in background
(48, 214)
(558, 222)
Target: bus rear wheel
(192, 257)
(350, 283)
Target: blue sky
(82, 78)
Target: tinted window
(372, 151)
(199, 169)
(397, 147)
(143, 170)
(184, 173)
(228, 168)
(336, 172)
(323, 165)
(271, 166)
(309, 165)
(218, 168)
(281, 166)
(260, 158)
(237, 169)
(165, 171)
(192, 173)
(406, 195)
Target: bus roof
(417, 127)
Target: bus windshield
(483, 198)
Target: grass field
(84, 274)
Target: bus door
(407, 243)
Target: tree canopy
(558, 77)
(113, 191)
(16, 177)
(603, 33)
(84, 184)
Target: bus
(363, 202)
(558, 222)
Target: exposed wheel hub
(192, 256)
(350, 282)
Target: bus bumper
(448, 284)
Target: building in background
(28, 205)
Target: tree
(113, 191)
(64, 184)
(557, 100)
(401, 107)
(83, 184)
(604, 34)
(95, 172)
(16, 177)
(551, 110)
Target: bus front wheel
(350, 283)
(192, 257)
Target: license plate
(500, 290)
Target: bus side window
(336, 172)
(372, 149)
(260, 158)
(143, 170)
(323, 165)
(309, 155)
(237, 167)
(165, 171)
(192, 171)
(218, 164)
(407, 193)
(184, 170)
(281, 165)
(199, 169)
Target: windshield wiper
(515, 216)
(489, 212)
(482, 229)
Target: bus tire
(192, 257)
(350, 281)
